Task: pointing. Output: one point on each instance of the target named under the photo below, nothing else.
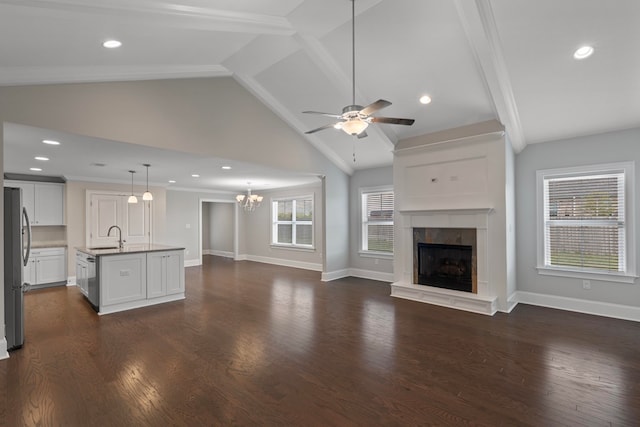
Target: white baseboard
(4, 354)
(597, 308)
(466, 301)
(285, 262)
(71, 281)
(372, 275)
(333, 275)
(241, 257)
(191, 262)
(215, 252)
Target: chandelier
(249, 202)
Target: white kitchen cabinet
(123, 278)
(165, 273)
(44, 201)
(46, 266)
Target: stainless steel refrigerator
(17, 246)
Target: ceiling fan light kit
(354, 118)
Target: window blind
(584, 222)
(378, 222)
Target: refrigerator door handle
(26, 217)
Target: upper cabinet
(44, 201)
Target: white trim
(115, 308)
(292, 247)
(604, 277)
(226, 254)
(628, 169)
(371, 275)
(285, 262)
(462, 211)
(4, 354)
(273, 201)
(334, 275)
(71, 281)
(617, 311)
(241, 257)
(374, 254)
(192, 262)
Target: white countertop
(128, 249)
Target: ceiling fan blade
(372, 108)
(321, 128)
(335, 116)
(362, 134)
(393, 121)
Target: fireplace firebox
(445, 266)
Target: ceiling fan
(356, 118)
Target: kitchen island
(117, 279)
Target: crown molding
(182, 15)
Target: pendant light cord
(353, 51)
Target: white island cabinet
(135, 276)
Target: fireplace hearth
(445, 266)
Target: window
(293, 222)
(377, 221)
(586, 225)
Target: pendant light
(147, 194)
(132, 198)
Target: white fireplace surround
(485, 300)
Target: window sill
(579, 274)
(294, 248)
(372, 254)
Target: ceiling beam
(14, 76)
(168, 13)
(257, 90)
(481, 31)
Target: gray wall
(588, 150)
(257, 234)
(221, 223)
(183, 219)
(375, 177)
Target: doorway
(218, 228)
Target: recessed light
(171, 181)
(226, 168)
(425, 99)
(41, 158)
(112, 44)
(583, 52)
(50, 142)
(35, 169)
(195, 175)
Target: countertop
(128, 249)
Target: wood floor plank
(258, 344)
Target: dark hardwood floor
(256, 344)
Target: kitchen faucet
(120, 241)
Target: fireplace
(445, 266)
(445, 258)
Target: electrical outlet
(586, 284)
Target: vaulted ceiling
(477, 59)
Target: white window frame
(293, 222)
(363, 222)
(627, 276)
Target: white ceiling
(478, 59)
